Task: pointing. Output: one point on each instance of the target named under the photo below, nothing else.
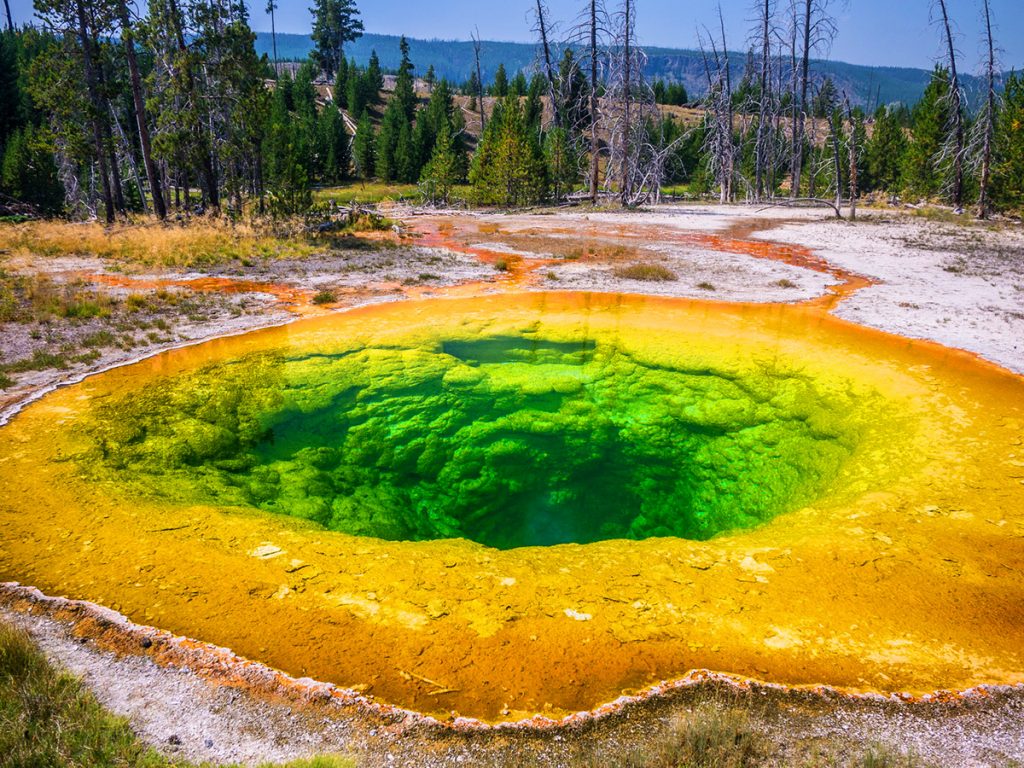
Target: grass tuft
(882, 756)
(652, 273)
(712, 736)
(47, 718)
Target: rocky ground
(958, 284)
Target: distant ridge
(453, 59)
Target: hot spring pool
(539, 501)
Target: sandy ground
(960, 286)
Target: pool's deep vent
(510, 441)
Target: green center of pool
(509, 441)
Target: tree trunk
(10, 21)
(730, 156)
(129, 155)
(549, 71)
(798, 130)
(97, 109)
(837, 126)
(127, 38)
(479, 85)
(626, 175)
(208, 176)
(273, 34)
(854, 152)
(594, 143)
(762, 112)
(956, 115)
(794, 108)
(990, 116)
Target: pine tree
(364, 147)
(304, 92)
(509, 167)
(334, 139)
(826, 100)
(404, 93)
(439, 111)
(1008, 166)
(341, 84)
(563, 162)
(884, 154)
(573, 92)
(443, 170)
(387, 141)
(10, 91)
(335, 22)
(518, 85)
(430, 78)
(534, 103)
(922, 173)
(407, 167)
(500, 87)
(356, 99)
(287, 153)
(28, 173)
(374, 79)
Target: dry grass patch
(712, 736)
(647, 272)
(201, 242)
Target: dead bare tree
(718, 144)
(475, 35)
(597, 14)
(836, 120)
(10, 21)
(985, 126)
(543, 28)
(954, 146)
(588, 34)
(817, 30)
(764, 101)
(637, 159)
(854, 151)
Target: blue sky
(889, 32)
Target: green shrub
(653, 273)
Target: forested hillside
(869, 87)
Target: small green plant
(883, 756)
(784, 283)
(324, 297)
(712, 736)
(41, 360)
(136, 302)
(99, 339)
(706, 286)
(501, 265)
(652, 273)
